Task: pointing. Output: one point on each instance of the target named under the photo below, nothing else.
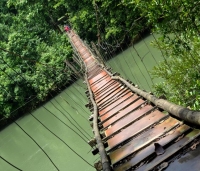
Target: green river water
(20, 150)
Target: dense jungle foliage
(33, 47)
(32, 54)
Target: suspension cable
(37, 145)
(62, 141)
(10, 163)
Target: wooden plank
(121, 109)
(149, 150)
(140, 141)
(171, 150)
(99, 76)
(132, 118)
(112, 97)
(105, 88)
(120, 101)
(107, 91)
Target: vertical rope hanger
(140, 18)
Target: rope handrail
(180, 112)
(104, 159)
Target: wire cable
(10, 163)
(62, 141)
(65, 124)
(37, 145)
(69, 118)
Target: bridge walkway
(137, 134)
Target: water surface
(136, 63)
(19, 149)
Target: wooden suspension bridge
(133, 129)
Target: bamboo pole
(102, 152)
(180, 112)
